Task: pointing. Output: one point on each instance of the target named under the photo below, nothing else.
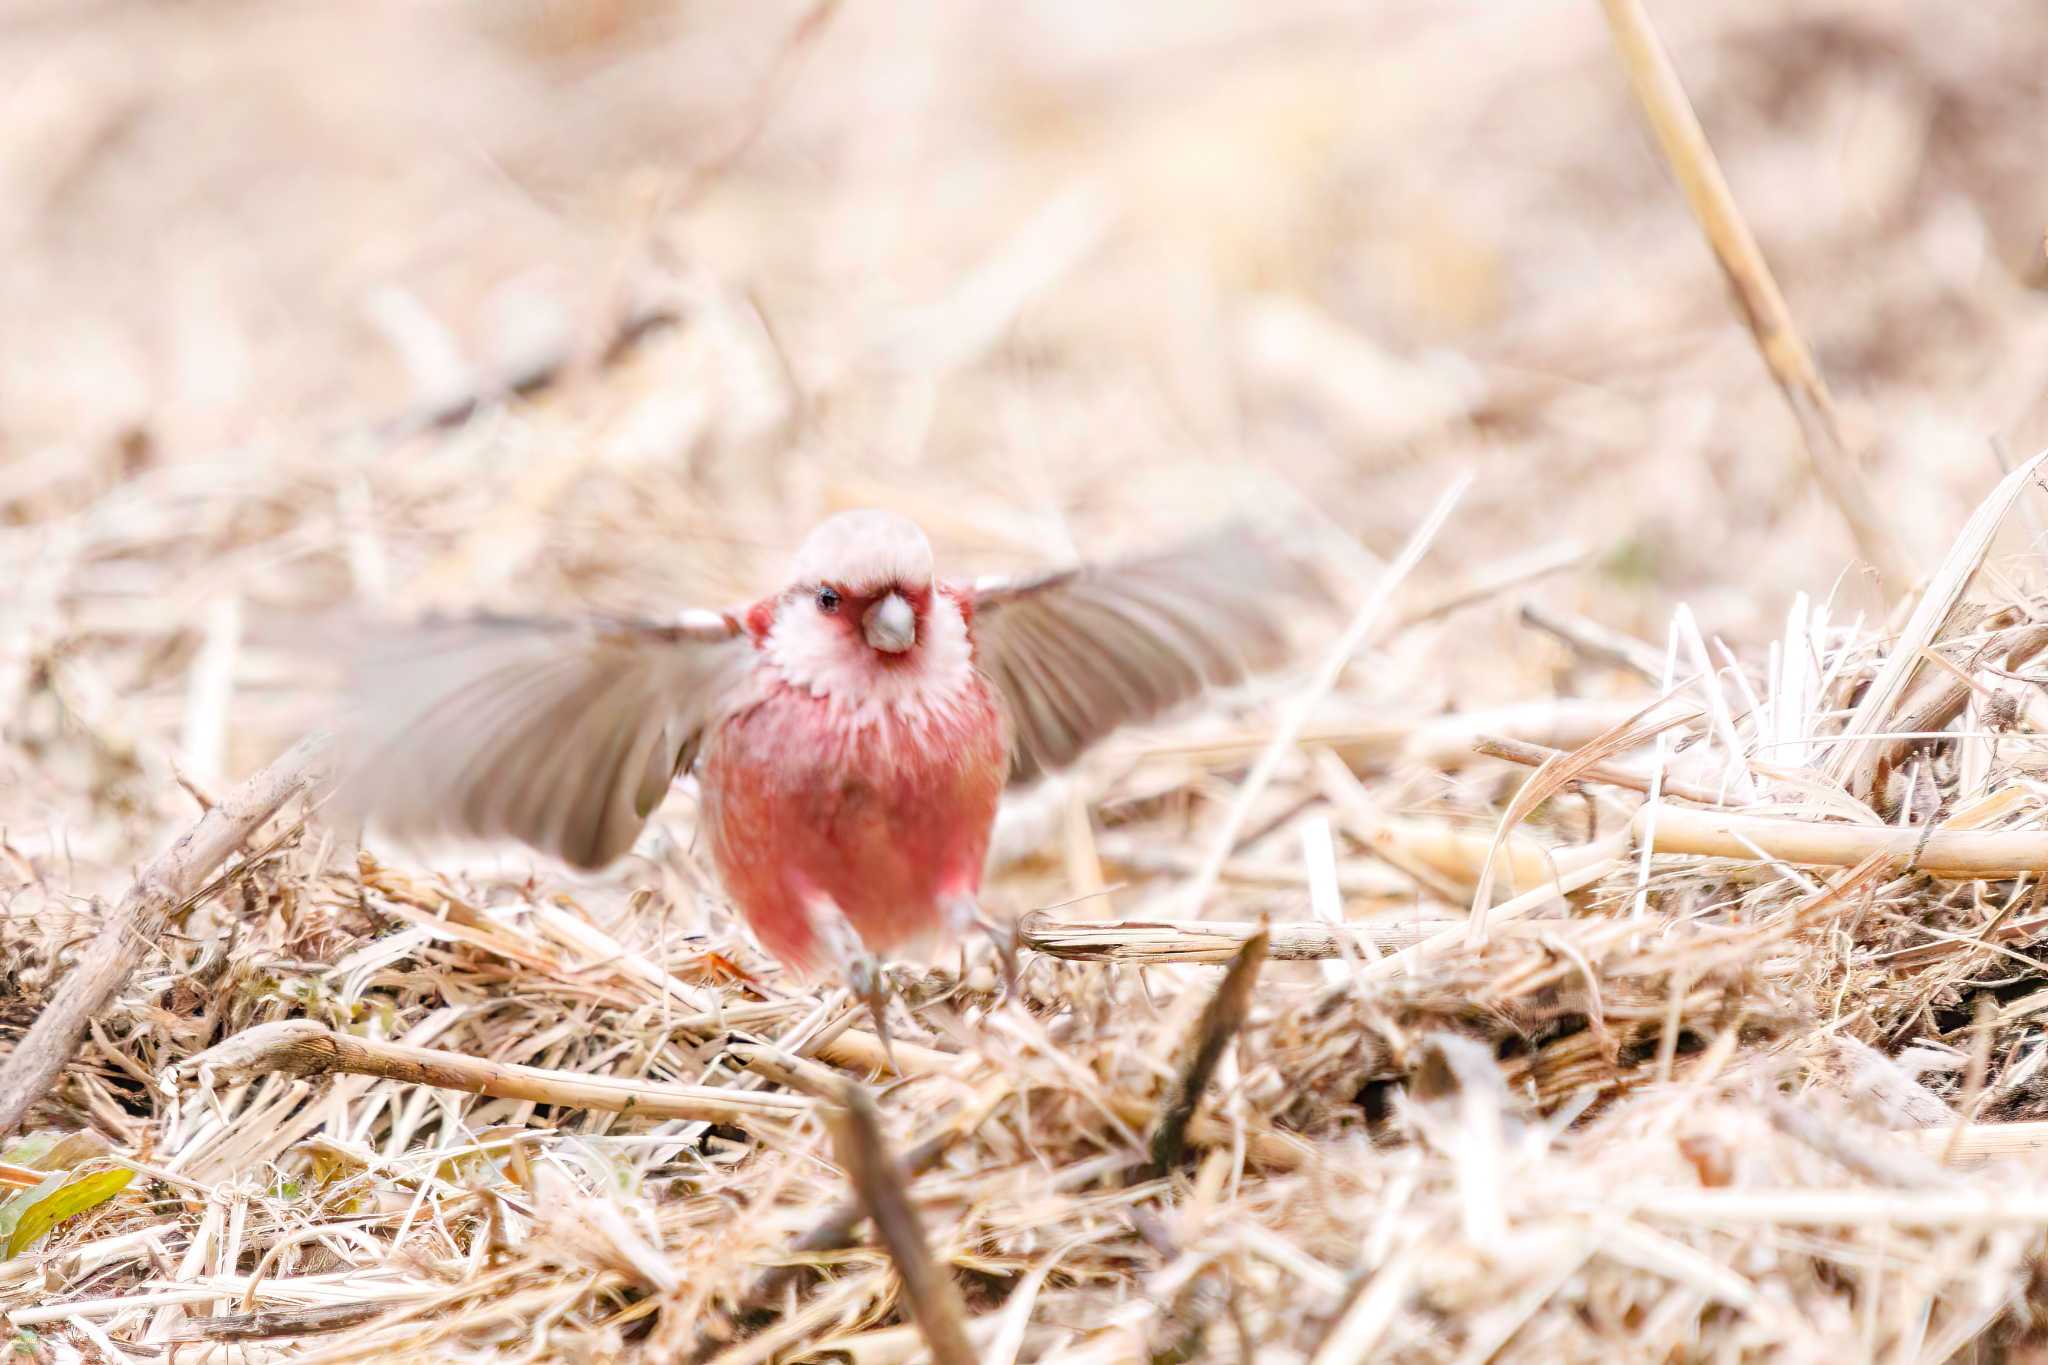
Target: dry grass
(317, 317)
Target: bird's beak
(890, 625)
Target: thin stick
(877, 1179)
(301, 1047)
(1536, 755)
(1956, 854)
(1220, 1020)
(177, 875)
(1589, 863)
(279, 1322)
(1492, 579)
(1596, 641)
(1685, 146)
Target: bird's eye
(828, 601)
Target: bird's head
(862, 621)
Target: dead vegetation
(1620, 939)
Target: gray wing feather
(1077, 653)
(562, 735)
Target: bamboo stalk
(301, 1047)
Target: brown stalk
(301, 1047)
(1220, 1020)
(170, 883)
(877, 1180)
(836, 1230)
(1692, 160)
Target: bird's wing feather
(563, 735)
(1076, 653)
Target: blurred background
(396, 306)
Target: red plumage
(886, 820)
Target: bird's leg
(863, 970)
(964, 913)
(870, 984)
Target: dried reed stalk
(1978, 1142)
(1206, 941)
(1362, 625)
(1963, 854)
(1784, 352)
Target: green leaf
(68, 1200)
(19, 1203)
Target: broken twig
(167, 884)
(301, 1047)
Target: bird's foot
(864, 973)
(964, 915)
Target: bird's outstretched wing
(1077, 653)
(561, 734)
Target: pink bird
(851, 734)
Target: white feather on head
(863, 551)
(866, 552)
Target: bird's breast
(884, 819)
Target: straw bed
(1620, 935)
